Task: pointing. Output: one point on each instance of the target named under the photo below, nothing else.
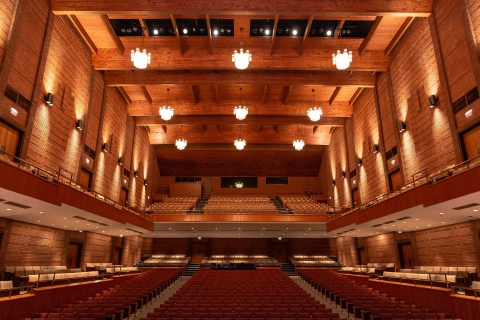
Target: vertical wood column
(347, 169)
(98, 147)
(381, 139)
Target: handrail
(62, 178)
(449, 171)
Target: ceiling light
(64, 218)
(267, 32)
(475, 210)
(375, 148)
(39, 221)
(240, 112)
(240, 144)
(294, 32)
(41, 211)
(155, 31)
(441, 212)
(359, 162)
(166, 113)
(79, 125)
(344, 174)
(241, 59)
(315, 113)
(181, 143)
(443, 222)
(342, 60)
(215, 32)
(298, 144)
(8, 209)
(469, 113)
(279, 238)
(140, 59)
(185, 31)
(329, 32)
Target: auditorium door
(362, 257)
(123, 196)
(117, 256)
(199, 250)
(406, 255)
(280, 251)
(74, 255)
(85, 179)
(471, 142)
(355, 197)
(395, 180)
(9, 139)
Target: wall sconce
(359, 162)
(145, 182)
(120, 161)
(402, 126)
(105, 147)
(333, 183)
(49, 99)
(432, 100)
(375, 148)
(135, 173)
(79, 125)
(344, 174)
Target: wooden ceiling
(205, 86)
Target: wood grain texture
(239, 218)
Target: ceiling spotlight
(170, 30)
(222, 30)
(313, 31)
(261, 29)
(135, 29)
(162, 30)
(155, 31)
(329, 32)
(215, 32)
(279, 30)
(129, 30)
(185, 31)
(255, 30)
(201, 29)
(267, 32)
(123, 30)
(294, 32)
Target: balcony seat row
(54, 279)
(436, 280)
(234, 259)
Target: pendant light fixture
(298, 144)
(240, 112)
(181, 143)
(141, 59)
(343, 59)
(166, 113)
(241, 59)
(240, 143)
(314, 113)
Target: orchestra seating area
(247, 294)
(164, 260)
(362, 302)
(301, 203)
(173, 205)
(119, 302)
(257, 260)
(313, 261)
(240, 203)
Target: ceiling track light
(241, 59)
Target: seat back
(476, 285)
(6, 284)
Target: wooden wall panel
(340, 193)
(238, 246)
(7, 12)
(97, 248)
(347, 251)
(382, 248)
(310, 247)
(166, 246)
(180, 189)
(132, 250)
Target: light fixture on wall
(141, 59)
(240, 112)
(342, 59)
(181, 143)
(241, 59)
(105, 147)
(298, 144)
(120, 161)
(375, 148)
(432, 101)
(359, 162)
(199, 238)
(402, 126)
(333, 183)
(49, 98)
(145, 182)
(135, 173)
(79, 124)
(279, 238)
(166, 113)
(344, 174)
(240, 143)
(314, 113)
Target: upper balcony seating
(240, 203)
(300, 203)
(162, 260)
(370, 268)
(7, 289)
(100, 266)
(173, 205)
(363, 270)
(436, 280)
(257, 260)
(474, 290)
(313, 261)
(53, 279)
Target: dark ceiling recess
(323, 28)
(192, 27)
(467, 206)
(291, 28)
(160, 27)
(127, 27)
(222, 27)
(261, 28)
(356, 28)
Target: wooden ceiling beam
(255, 107)
(398, 35)
(355, 96)
(231, 120)
(125, 95)
(369, 37)
(177, 34)
(146, 94)
(222, 7)
(334, 95)
(164, 58)
(339, 28)
(144, 28)
(246, 77)
(274, 34)
(83, 33)
(305, 35)
(113, 35)
(210, 36)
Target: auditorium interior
(223, 160)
